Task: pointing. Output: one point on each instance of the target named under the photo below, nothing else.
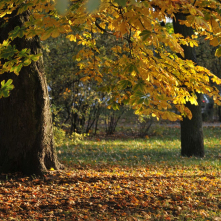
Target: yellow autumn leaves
(140, 42)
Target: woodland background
(108, 163)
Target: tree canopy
(152, 77)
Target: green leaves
(124, 84)
(16, 59)
(35, 57)
(140, 98)
(27, 62)
(16, 69)
(218, 52)
(24, 7)
(23, 52)
(8, 52)
(6, 88)
(131, 68)
(145, 34)
(17, 32)
(115, 106)
(139, 86)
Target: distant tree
(192, 143)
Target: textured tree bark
(192, 143)
(26, 133)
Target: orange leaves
(51, 32)
(170, 116)
(123, 28)
(214, 41)
(85, 78)
(215, 26)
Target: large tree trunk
(191, 130)
(26, 133)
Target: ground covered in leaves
(133, 179)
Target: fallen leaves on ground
(113, 193)
(127, 179)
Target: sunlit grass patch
(156, 150)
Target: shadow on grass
(136, 153)
(162, 149)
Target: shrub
(76, 138)
(61, 138)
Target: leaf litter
(117, 193)
(158, 190)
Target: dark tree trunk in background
(191, 130)
(26, 133)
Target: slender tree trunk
(191, 130)
(26, 133)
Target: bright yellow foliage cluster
(151, 77)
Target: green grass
(159, 150)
